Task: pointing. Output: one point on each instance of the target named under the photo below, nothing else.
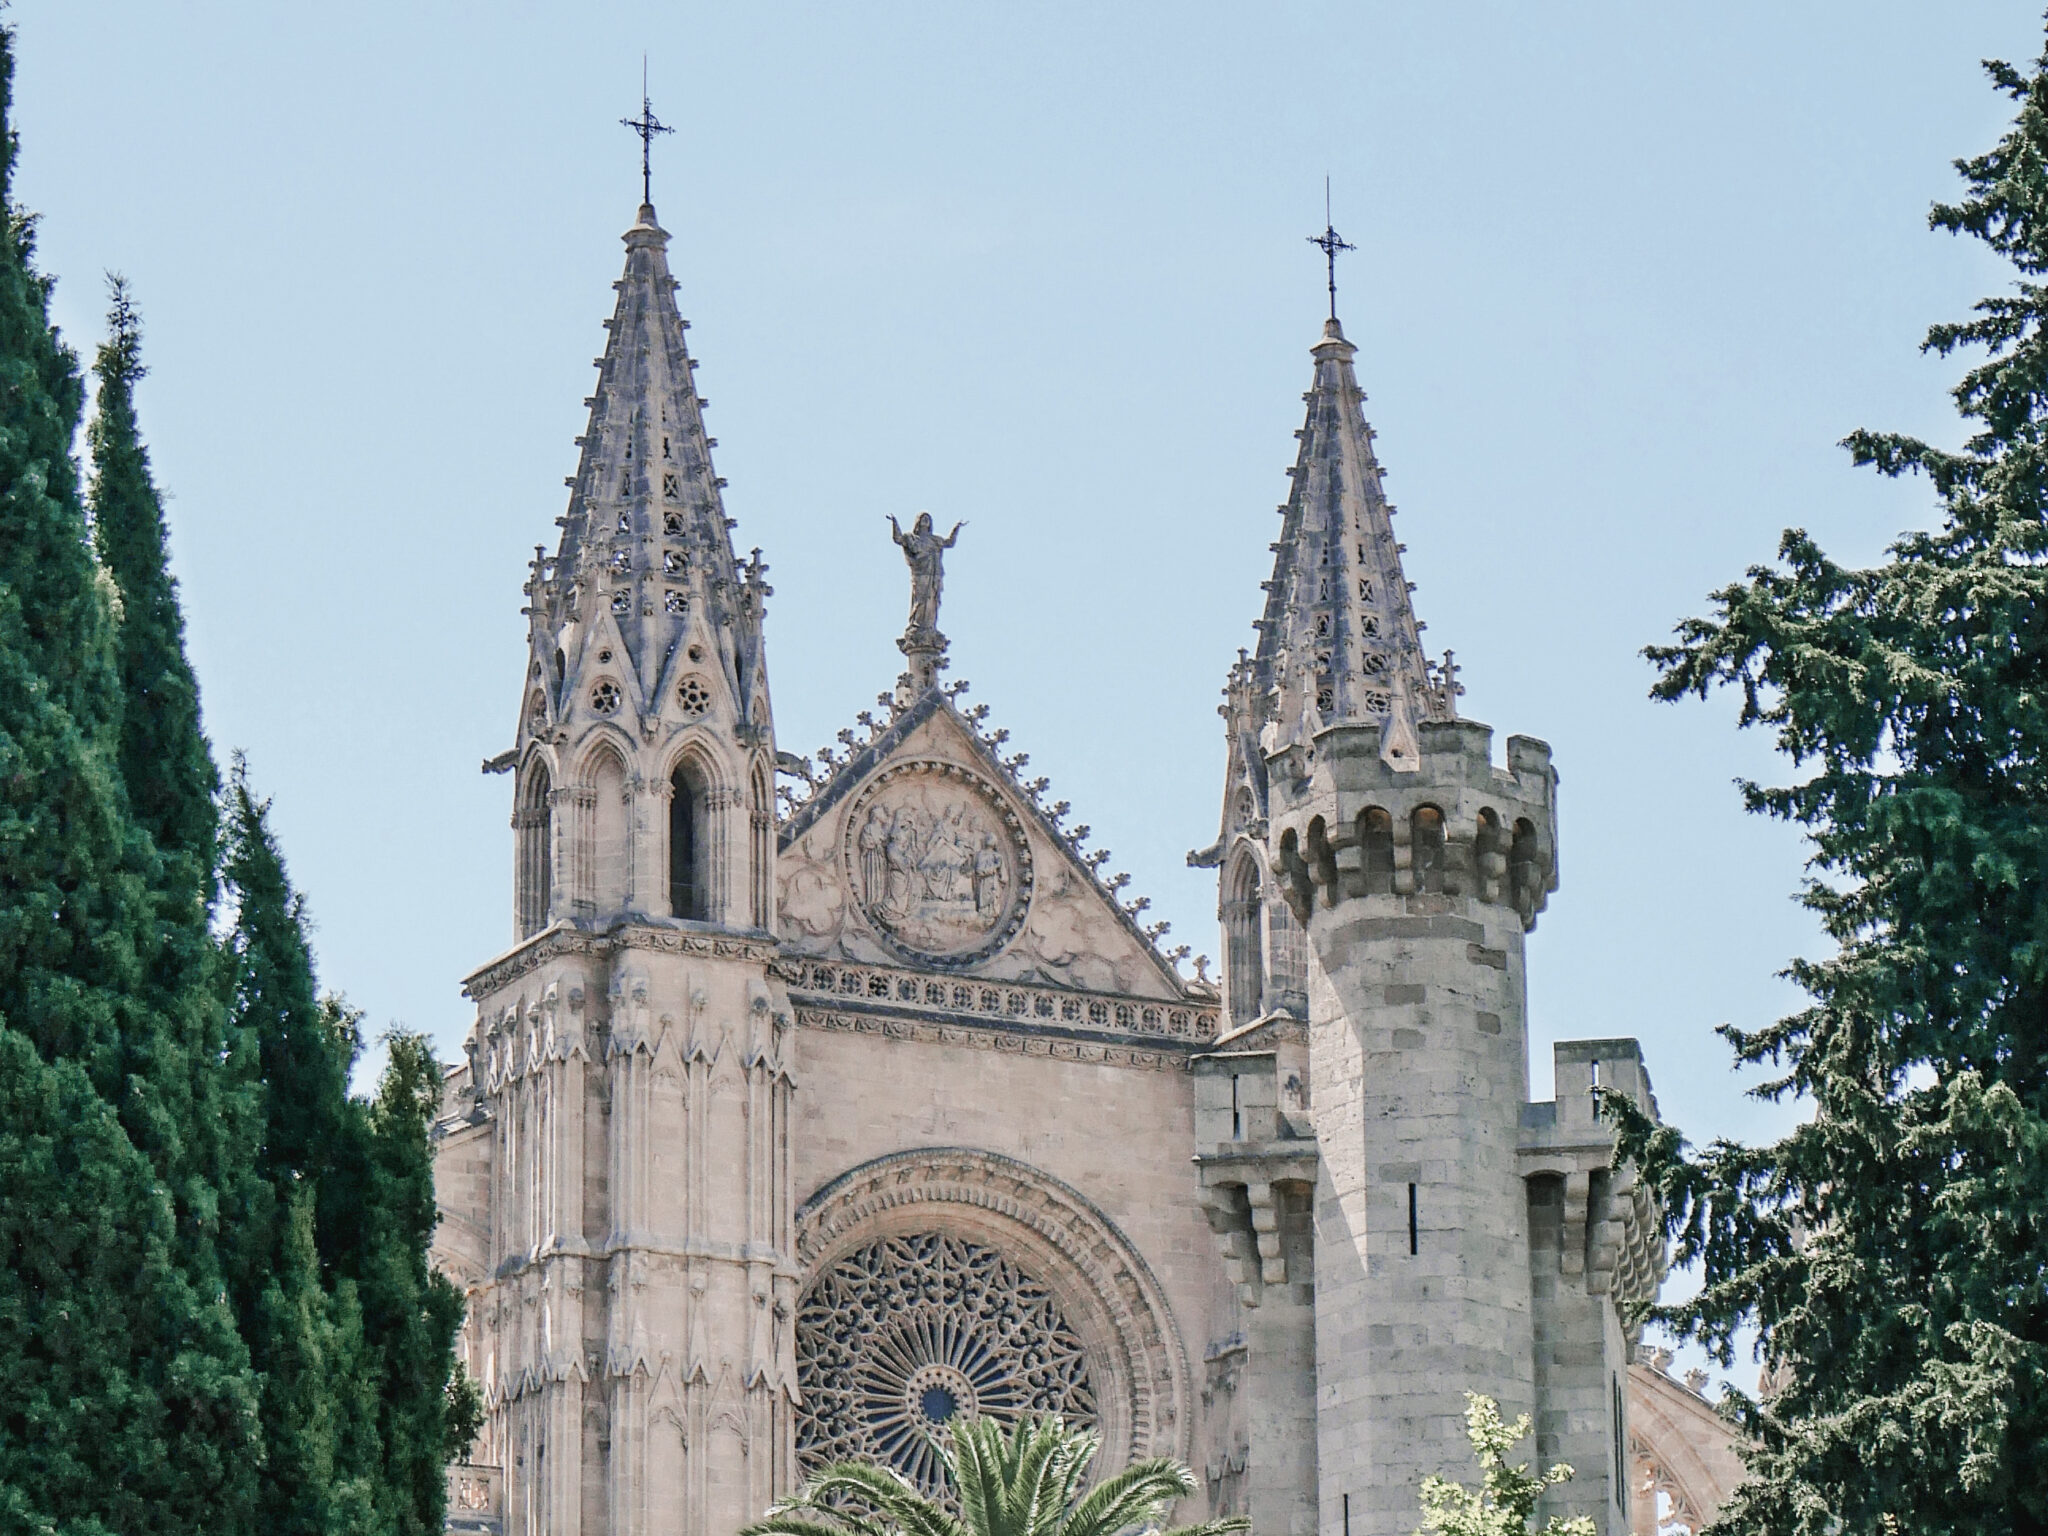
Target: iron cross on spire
(647, 125)
(1332, 243)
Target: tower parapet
(1344, 822)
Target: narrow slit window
(1414, 1228)
(686, 883)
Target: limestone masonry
(797, 1122)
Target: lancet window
(688, 893)
(761, 846)
(533, 840)
(1243, 958)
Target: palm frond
(1210, 1527)
(975, 1460)
(781, 1521)
(1141, 1492)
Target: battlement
(1346, 824)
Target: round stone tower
(1416, 886)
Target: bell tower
(631, 1050)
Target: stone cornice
(563, 939)
(1024, 1008)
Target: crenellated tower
(632, 1318)
(1359, 810)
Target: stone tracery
(905, 1333)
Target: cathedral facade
(798, 1121)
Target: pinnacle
(1339, 643)
(646, 561)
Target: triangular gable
(922, 851)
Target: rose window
(604, 698)
(907, 1333)
(694, 694)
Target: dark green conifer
(171, 785)
(1893, 1250)
(165, 761)
(299, 1075)
(351, 1196)
(411, 1312)
(129, 1402)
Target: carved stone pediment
(930, 857)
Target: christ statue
(924, 552)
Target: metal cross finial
(647, 125)
(1332, 243)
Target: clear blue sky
(1626, 273)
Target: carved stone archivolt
(1087, 1331)
(938, 863)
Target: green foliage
(355, 1336)
(1022, 1480)
(163, 755)
(130, 1399)
(215, 1309)
(1507, 1495)
(1891, 1252)
(411, 1313)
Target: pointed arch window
(1243, 953)
(761, 847)
(688, 889)
(533, 839)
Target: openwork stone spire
(646, 558)
(1339, 643)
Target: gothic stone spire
(1339, 642)
(646, 560)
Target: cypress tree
(300, 1076)
(129, 1402)
(167, 772)
(411, 1312)
(165, 762)
(1892, 1252)
(354, 1331)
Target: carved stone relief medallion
(938, 863)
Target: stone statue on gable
(925, 553)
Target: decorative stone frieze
(985, 1002)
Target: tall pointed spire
(646, 556)
(1339, 642)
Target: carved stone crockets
(632, 1054)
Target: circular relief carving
(604, 698)
(904, 1334)
(938, 863)
(694, 694)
